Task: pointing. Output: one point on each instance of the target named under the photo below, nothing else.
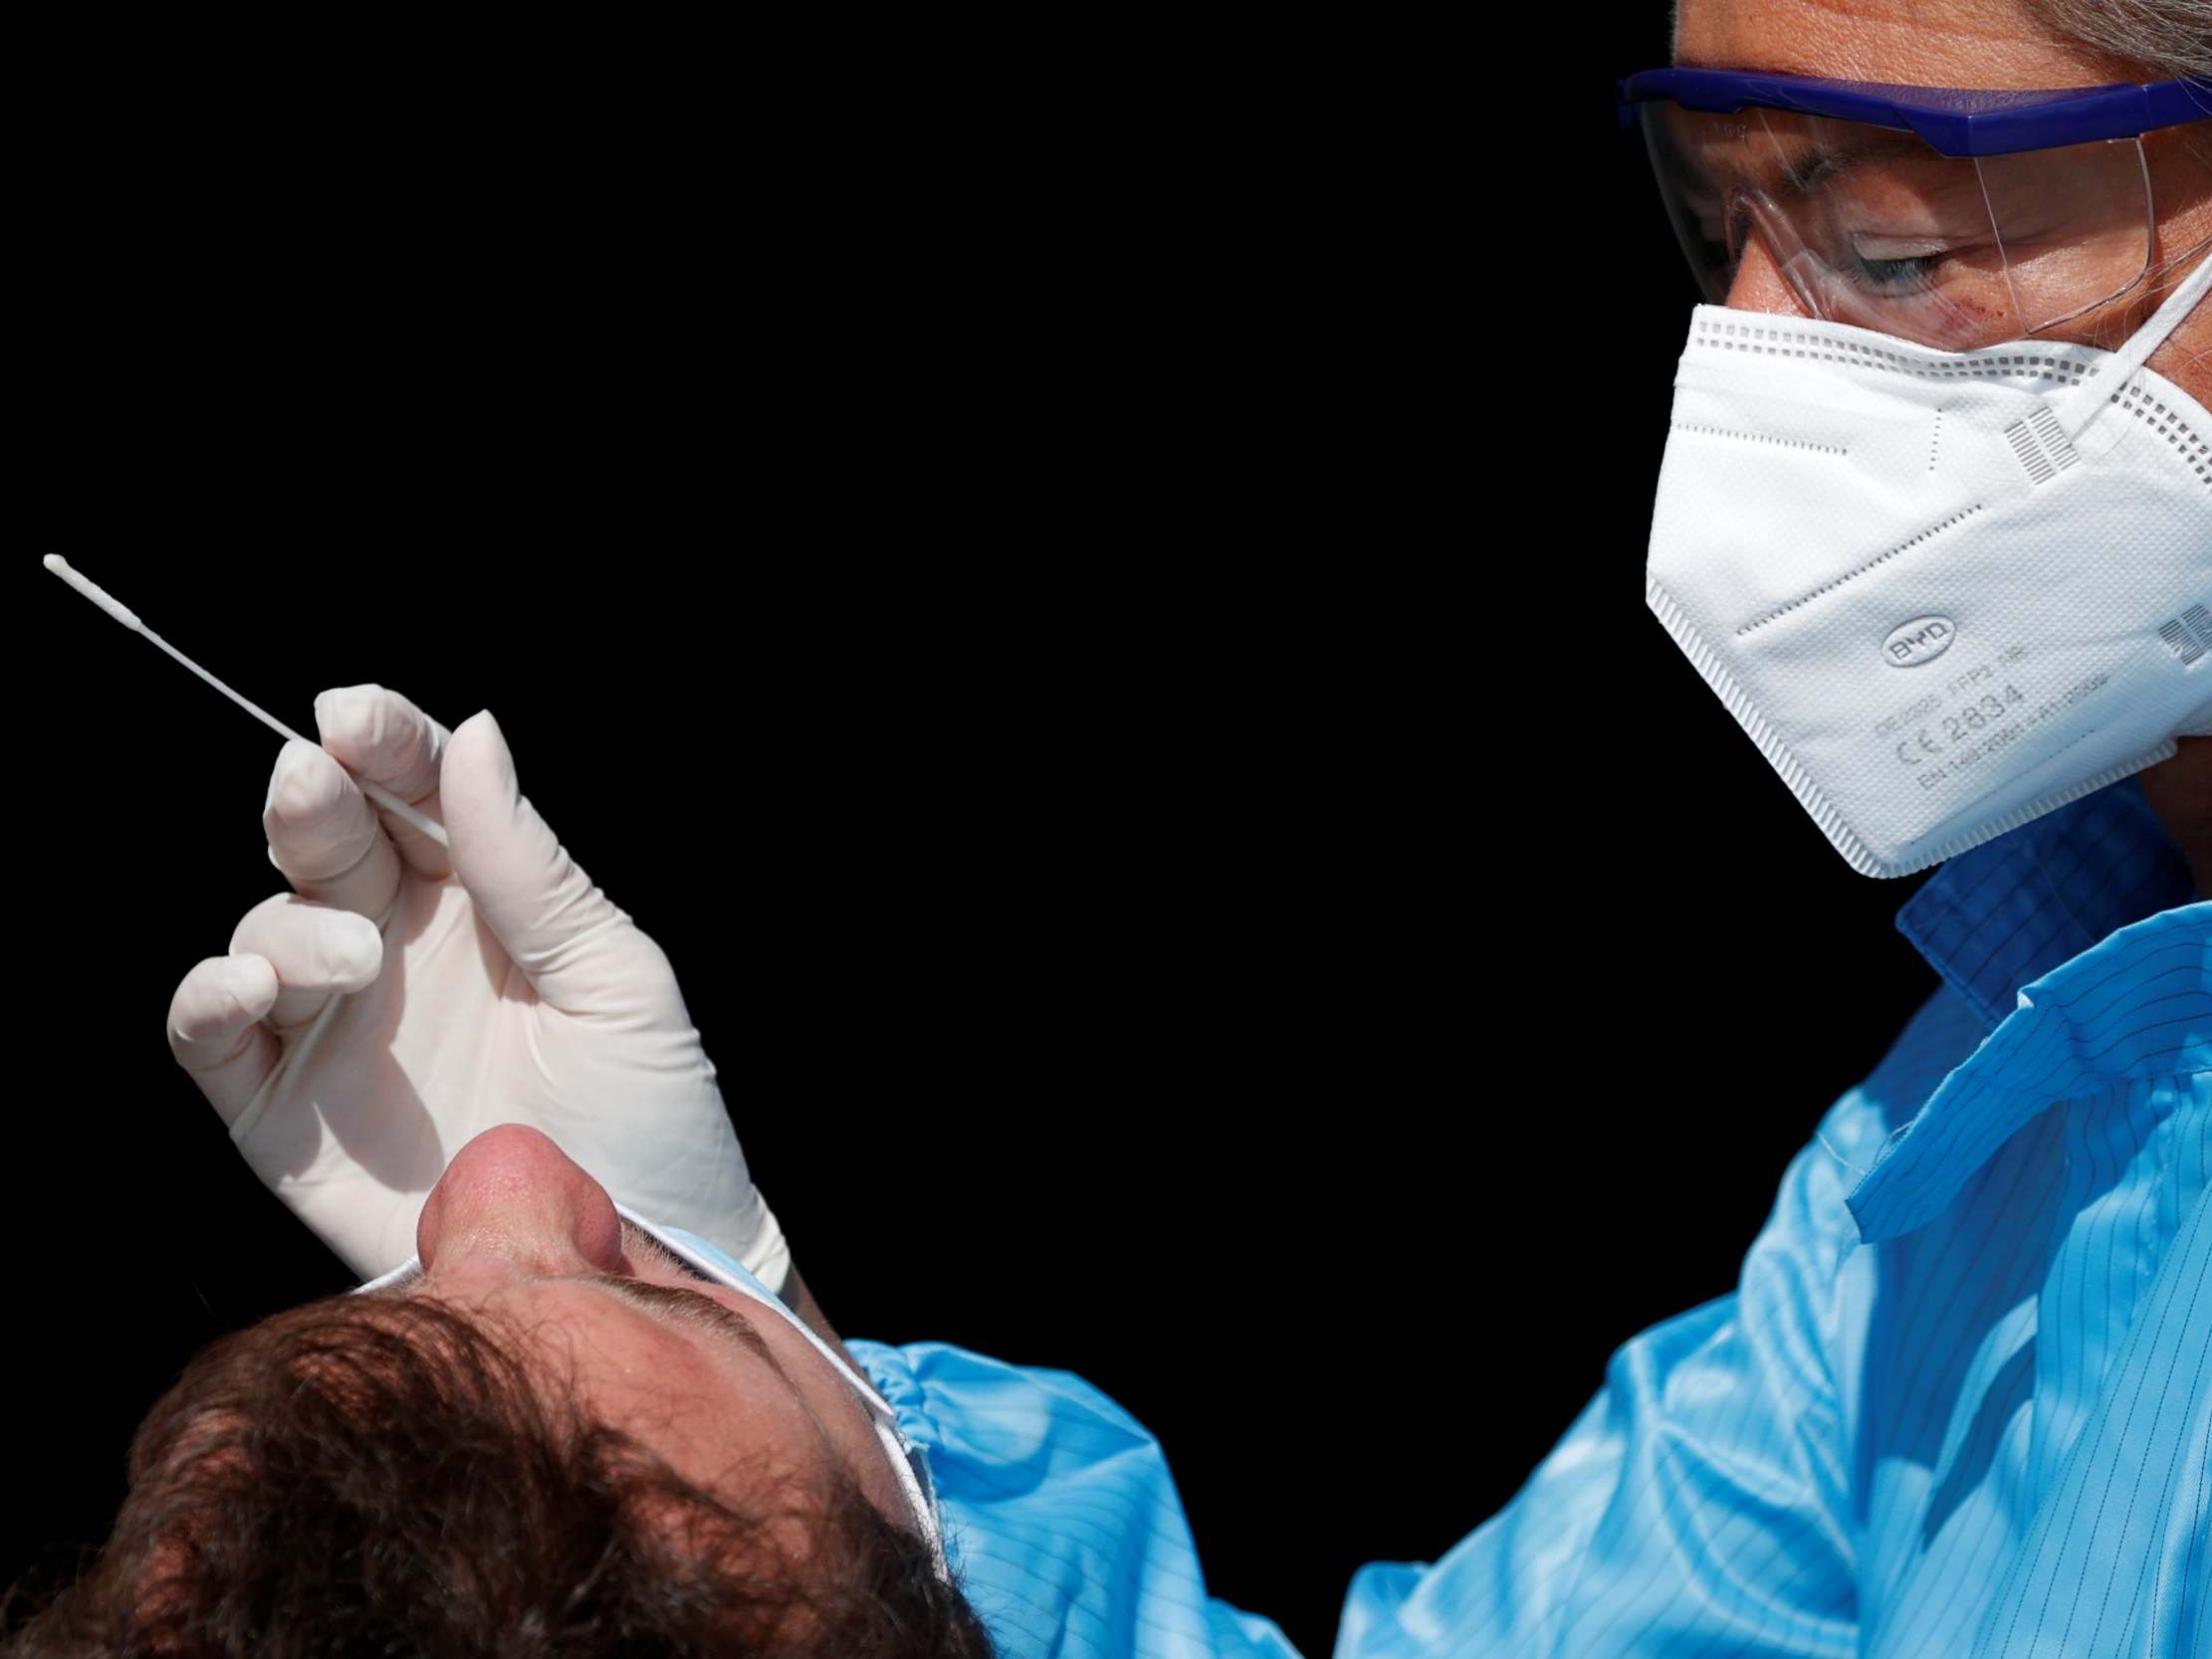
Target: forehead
(692, 1396)
(1907, 43)
(709, 1397)
(624, 1351)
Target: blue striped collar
(2076, 941)
(2008, 912)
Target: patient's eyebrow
(660, 1302)
(664, 1304)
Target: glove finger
(216, 1030)
(317, 952)
(376, 733)
(324, 834)
(583, 953)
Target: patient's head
(543, 1446)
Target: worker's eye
(1895, 271)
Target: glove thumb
(535, 897)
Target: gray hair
(2168, 38)
(2163, 40)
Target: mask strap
(2112, 371)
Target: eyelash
(1888, 277)
(1896, 277)
(642, 1242)
(651, 1247)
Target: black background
(1094, 613)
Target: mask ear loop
(2079, 408)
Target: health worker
(1934, 524)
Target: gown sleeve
(1062, 1524)
(1699, 1504)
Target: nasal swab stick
(128, 618)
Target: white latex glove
(406, 996)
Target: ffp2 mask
(1944, 592)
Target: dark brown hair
(381, 1476)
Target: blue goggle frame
(1951, 121)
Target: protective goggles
(1956, 218)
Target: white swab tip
(94, 592)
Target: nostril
(513, 1193)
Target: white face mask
(907, 1461)
(1944, 592)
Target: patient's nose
(511, 1194)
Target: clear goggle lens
(1872, 227)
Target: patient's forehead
(728, 1419)
(698, 1402)
(747, 1441)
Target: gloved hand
(405, 996)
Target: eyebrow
(1810, 162)
(1827, 162)
(672, 1304)
(693, 1308)
(663, 1303)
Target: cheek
(850, 1434)
(742, 1445)
(2193, 363)
(2187, 356)
(871, 1465)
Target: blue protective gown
(1959, 1404)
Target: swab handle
(129, 619)
(398, 808)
